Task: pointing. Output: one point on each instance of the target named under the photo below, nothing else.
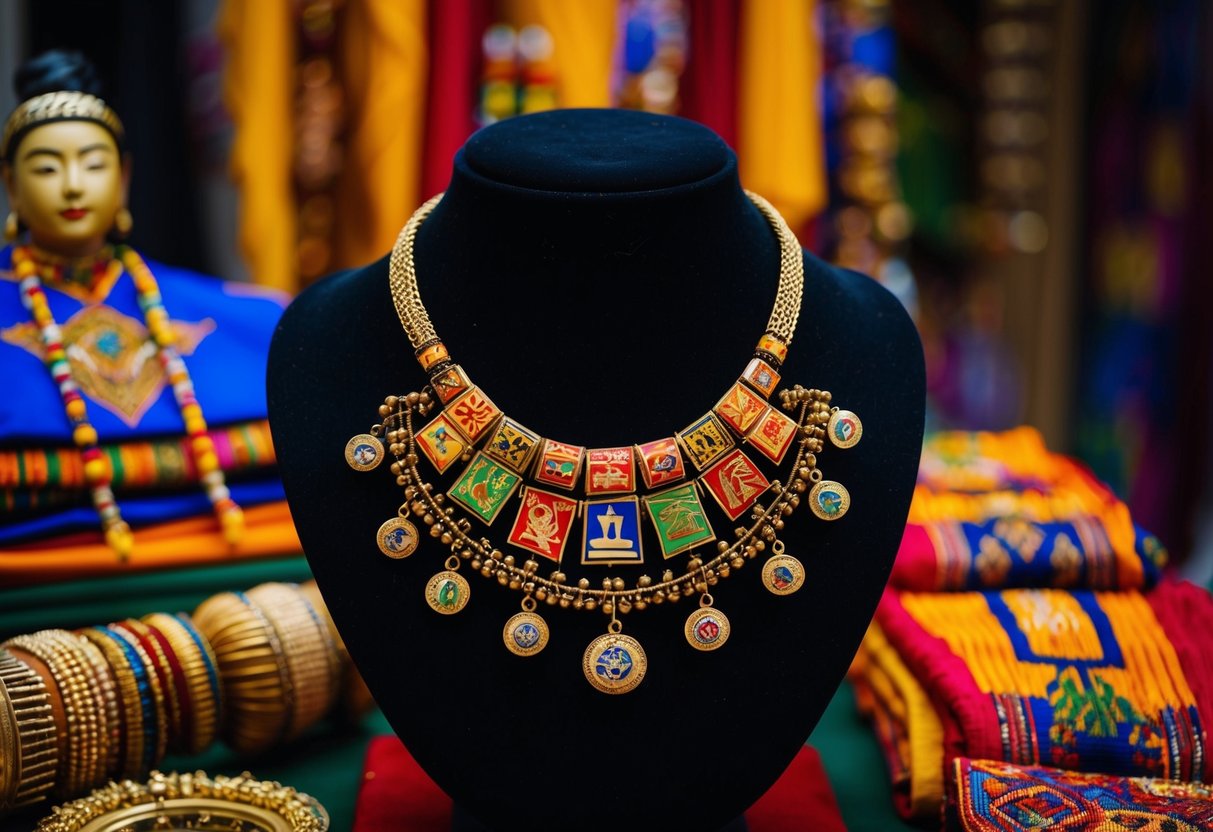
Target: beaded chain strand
(97, 471)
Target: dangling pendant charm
(707, 628)
(614, 663)
(397, 538)
(526, 633)
(782, 574)
(447, 592)
(829, 500)
(844, 429)
(364, 452)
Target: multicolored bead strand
(97, 469)
(207, 461)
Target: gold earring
(12, 227)
(123, 222)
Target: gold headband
(62, 105)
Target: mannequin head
(63, 165)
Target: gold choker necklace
(502, 458)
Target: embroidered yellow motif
(1024, 537)
(111, 356)
(1065, 560)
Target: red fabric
(917, 563)
(397, 796)
(455, 30)
(1185, 612)
(709, 83)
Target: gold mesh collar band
(63, 105)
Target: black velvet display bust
(604, 278)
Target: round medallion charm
(844, 429)
(783, 575)
(397, 538)
(829, 500)
(364, 452)
(707, 628)
(447, 592)
(525, 634)
(614, 663)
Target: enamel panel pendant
(397, 538)
(364, 452)
(448, 591)
(707, 628)
(844, 429)
(782, 574)
(526, 633)
(614, 663)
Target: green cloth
(102, 600)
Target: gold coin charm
(844, 429)
(364, 452)
(526, 633)
(829, 500)
(448, 592)
(397, 538)
(707, 628)
(614, 663)
(782, 574)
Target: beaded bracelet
(105, 691)
(198, 706)
(29, 742)
(129, 751)
(155, 716)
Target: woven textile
(992, 796)
(1116, 682)
(995, 510)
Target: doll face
(66, 183)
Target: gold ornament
(123, 222)
(707, 628)
(526, 633)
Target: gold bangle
(130, 743)
(200, 696)
(311, 655)
(253, 673)
(192, 801)
(29, 750)
(105, 691)
(162, 669)
(81, 758)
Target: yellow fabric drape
(583, 32)
(258, 89)
(384, 65)
(781, 150)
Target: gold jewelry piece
(12, 227)
(782, 574)
(614, 663)
(190, 801)
(364, 452)
(61, 105)
(311, 655)
(526, 633)
(448, 592)
(123, 222)
(707, 628)
(397, 538)
(498, 452)
(201, 692)
(255, 679)
(844, 428)
(82, 762)
(29, 749)
(130, 745)
(829, 500)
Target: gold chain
(402, 276)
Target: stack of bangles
(81, 708)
